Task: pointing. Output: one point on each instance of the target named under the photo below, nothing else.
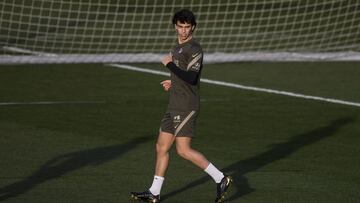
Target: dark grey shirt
(184, 95)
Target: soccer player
(178, 123)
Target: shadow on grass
(275, 153)
(67, 163)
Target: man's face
(184, 30)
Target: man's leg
(163, 145)
(183, 147)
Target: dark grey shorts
(179, 123)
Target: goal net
(101, 31)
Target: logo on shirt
(195, 63)
(180, 50)
(196, 66)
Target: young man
(178, 123)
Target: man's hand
(166, 84)
(167, 59)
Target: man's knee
(164, 142)
(161, 148)
(184, 152)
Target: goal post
(102, 31)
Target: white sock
(214, 173)
(156, 185)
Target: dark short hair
(184, 16)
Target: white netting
(41, 31)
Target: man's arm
(190, 76)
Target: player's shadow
(61, 165)
(239, 169)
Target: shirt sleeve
(195, 60)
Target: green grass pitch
(95, 142)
